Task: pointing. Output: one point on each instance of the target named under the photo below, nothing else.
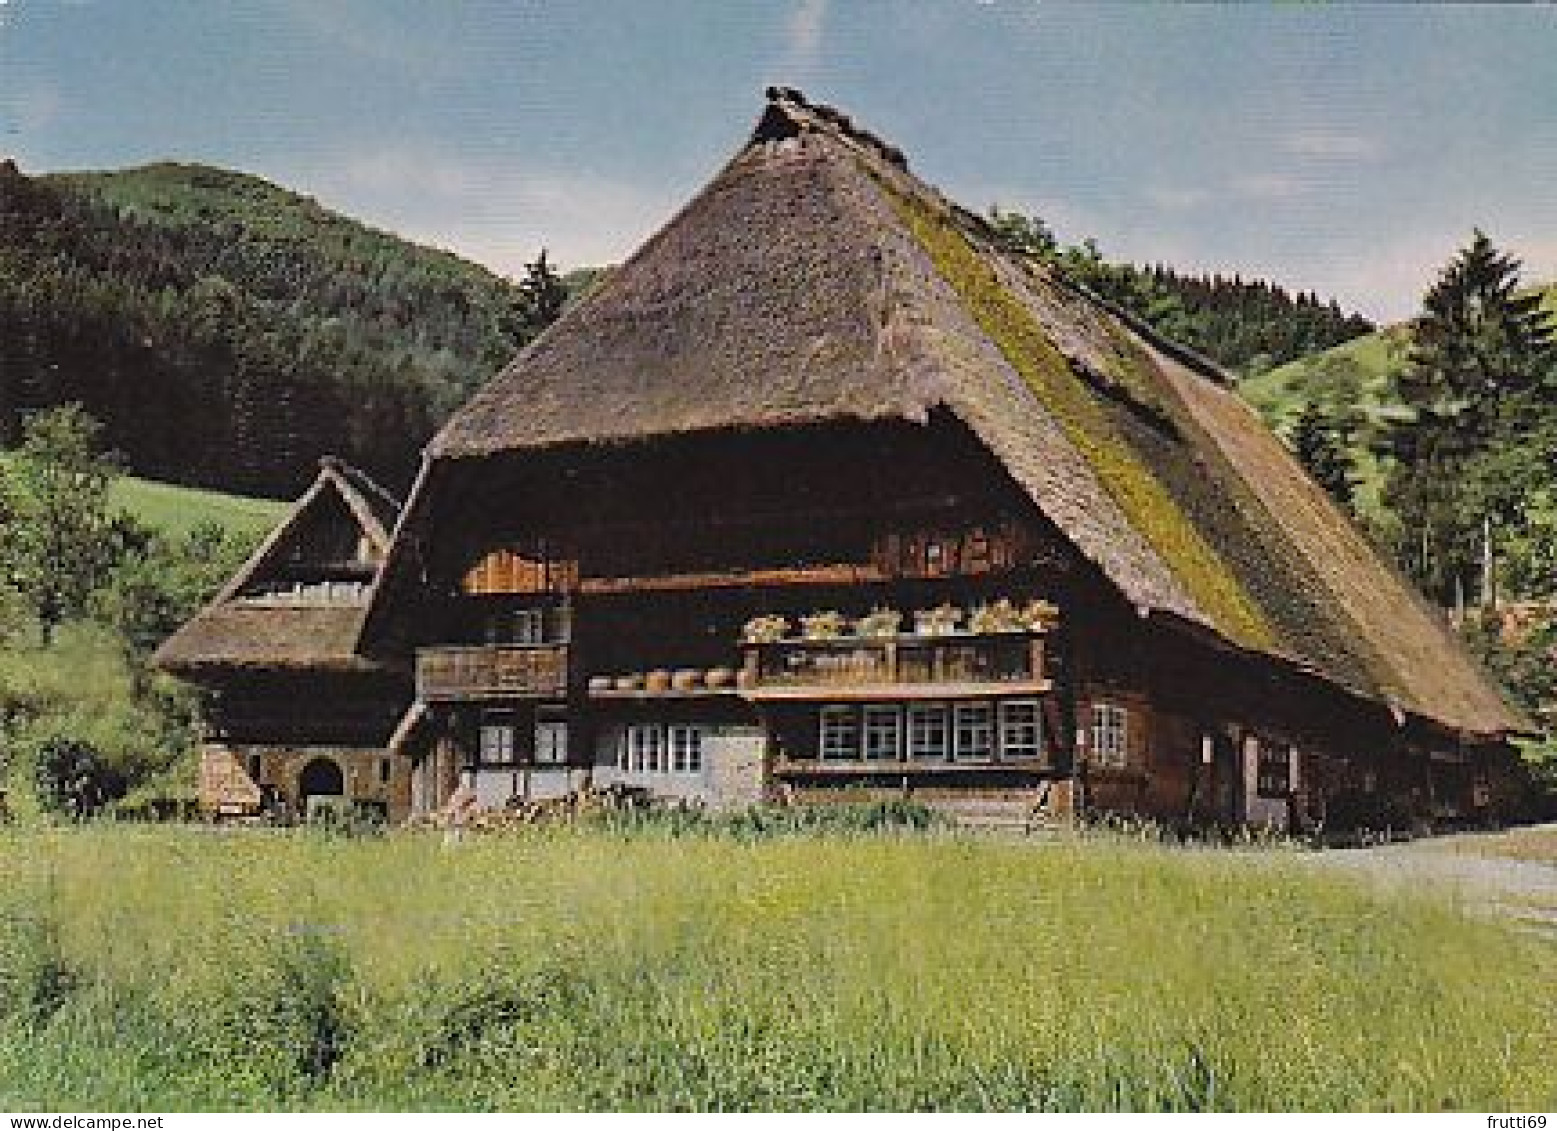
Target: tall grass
(589, 968)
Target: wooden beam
(888, 692)
(814, 575)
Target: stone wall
(235, 778)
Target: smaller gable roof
(237, 631)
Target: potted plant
(1001, 616)
(879, 622)
(827, 625)
(939, 621)
(1041, 615)
(765, 629)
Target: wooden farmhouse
(294, 710)
(822, 495)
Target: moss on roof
(815, 279)
(1150, 507)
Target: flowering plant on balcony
(879, 622)
(1002, 616)
(1041, 615)
(823, 626)
(765, 629)
(939, 621)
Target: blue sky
(1344, 148)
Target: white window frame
(927, 721)
(838, 734)
(528, 626)
(973, 732)
(1110, 734)
(639, 740)
(1021, 729)
(498, 744)
(882, 733)
(685, 743)
(549, 751)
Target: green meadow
(176, 510)
(592, 968)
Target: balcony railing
(491, 670)
(900, 666)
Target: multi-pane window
(883, 733)
(973, 732)
(497, 743)
(1110, 734)
(1021, 729)
(839, 736)
(686, 750)
(517, 626)
(927, 732)
(1274, 766)
(651, 748)
(529, 626)
(551, 742)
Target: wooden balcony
(486, 671)
(896, 667)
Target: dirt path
(1487, 872)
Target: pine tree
(1478, 378)
(541, 296)
(1321, 445)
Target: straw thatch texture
(816, 279)
(238, 632)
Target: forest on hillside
(1247, 326)
(228, 332)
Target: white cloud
(1268, 186)
(499, 211)
(1174, 198)
(361, 30)
(1338, 144)
(803, 38)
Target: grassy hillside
(1359, 371)
(576, 968)
(228, 331)
(175, 509)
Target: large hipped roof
(816, 279)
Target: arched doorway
(320, 778)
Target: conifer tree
(1322, 447)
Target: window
(1274, 769)
(686, 750)
(973, 732)
(497, 743)
(650, 748)
(637, 742)
(839, 740)
(1021, 729)
(1110, 734)
(551, 742)
(927, 737)
(385, 770)
(529, 626)
(255, 766)
(516, 626)
(883, 733)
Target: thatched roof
(815, 279)
(239, 630)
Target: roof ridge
(790, 103)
